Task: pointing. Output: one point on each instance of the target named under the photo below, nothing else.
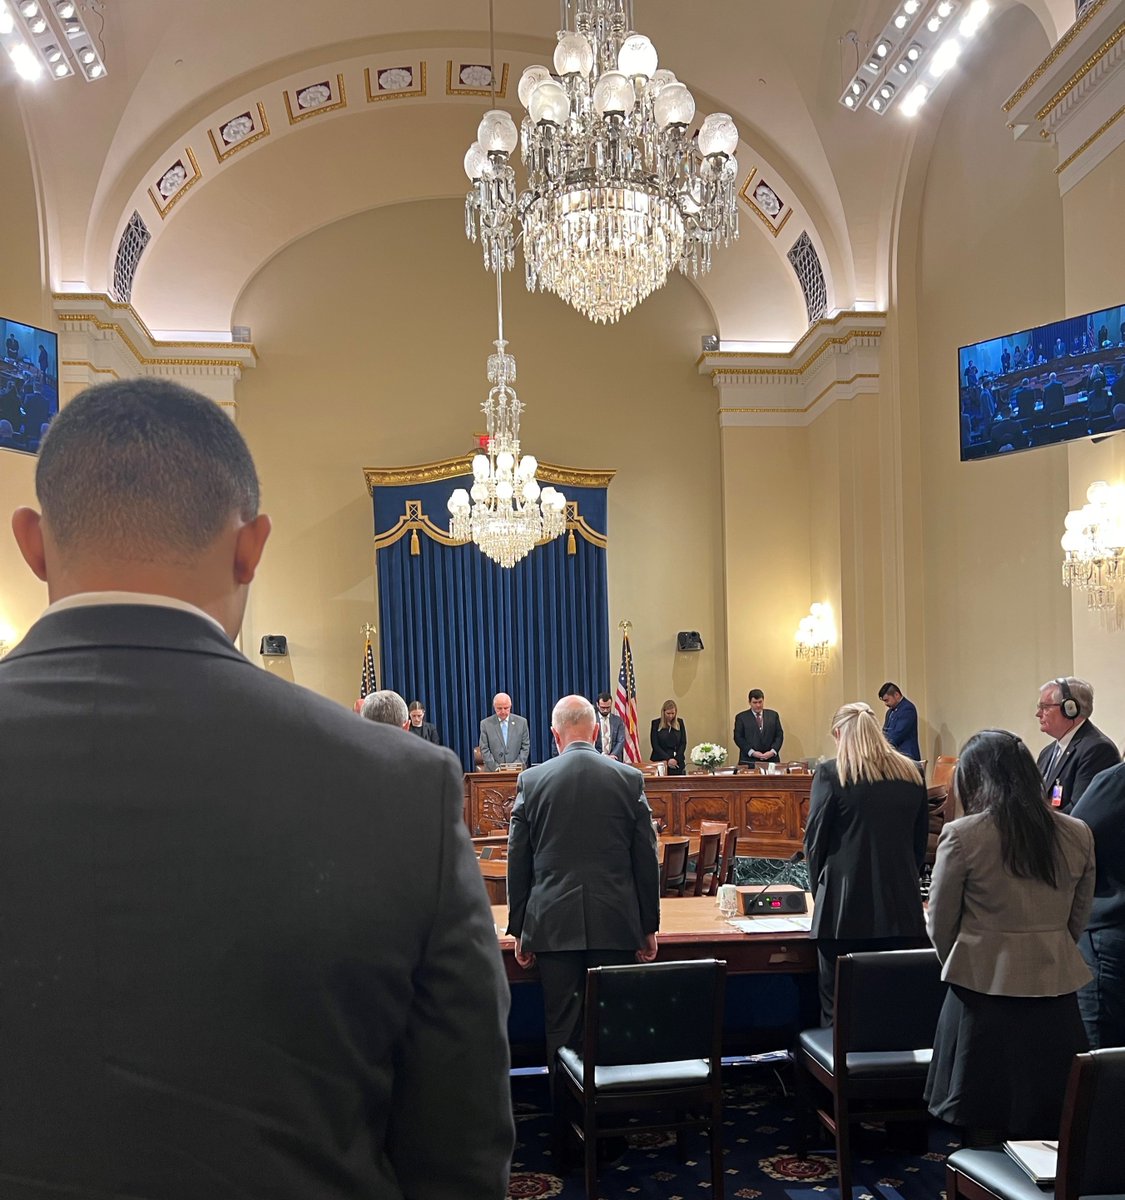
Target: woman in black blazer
(668, 737)
(865, 842)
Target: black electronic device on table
(779, 900)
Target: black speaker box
(274, 645)
(689, 640)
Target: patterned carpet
(759, 1142)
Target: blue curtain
(455, 628)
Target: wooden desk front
(770, 810)
(692, 928)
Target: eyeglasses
(1043, 707)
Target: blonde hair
(864, 754)
(665, 724)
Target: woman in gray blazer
(1011, 891)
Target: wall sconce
(814, 636)
(1094, 546)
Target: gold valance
(414, 520)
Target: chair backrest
(1091, 1149)
(654, 1012)
(707, 860)
(478, 759)
(725, 873)
(673, 867)
(944, 766)
(719, 827)
(886, 1000)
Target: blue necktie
(504, 731)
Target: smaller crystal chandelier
(815, 635)
(1094, 546)
(509, 514)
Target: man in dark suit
(221, 975)
(1054, 398)
(611, 729)
(900, 725)
(1080, 749)
(504, 737)
(757, 731)
(583, 878)
(420, 726)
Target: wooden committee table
(769, 810)
(691, 927)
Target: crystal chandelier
(618, 192)
(509, 513)
(1094, 546)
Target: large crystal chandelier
(509, 513)
(1094, 546)
(618, 190)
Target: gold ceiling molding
(1090, 140)
(791, 372)
(812, 403)
(452, 468)
(373, 97)
(1082, 72)
(125, 307)
(262, 131)
(467, 90)
(82, 362)
(824, 322)
(1059, 49)
(164, 209)
(143, 359)
(320, 109)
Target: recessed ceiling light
(876, 104)
(29, 9)
(900, 21)
(910, 7)
(903, 68)
(65, 9)
(857, 88)
(62, 71)
(849, 101)
(886, 91)
(944, 9)
(37, 26)
(96, 70)
(933, 24)
(881, 49)
(914, 53)
(87, 55)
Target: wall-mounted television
(29, 384)
(1053, 383)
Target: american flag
(625, 702)
(367, 681)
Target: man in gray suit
(611, 729)
(504, 737)
(221, 976)
(583, 877)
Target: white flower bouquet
(708, 755)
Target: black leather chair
(1091, 1158)
(875, 1058)
(652, 1044)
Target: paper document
(1037, 1158)
(772, 924)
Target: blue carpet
(759, 1143)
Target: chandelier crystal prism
(506, 513)
(1094, 546)
(619, 192)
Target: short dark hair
(143, 467)
(604, 696)
(755, 694)
(888, 688)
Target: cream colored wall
(22, 597)
(373, 335)
(1095, 279)
(989, 260)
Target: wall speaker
(274, 645)
(689, 640)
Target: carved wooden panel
(705, 805)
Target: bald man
(504, 737)
(576, 899)
(221, 976)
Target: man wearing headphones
(1080, 749)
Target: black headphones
(1069, 706)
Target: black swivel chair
(1091, 1160)
(652, 1043)
(875, 1058)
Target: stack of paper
(1037, 1158)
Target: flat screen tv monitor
(1054, 383)
(29, 384)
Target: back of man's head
(143, 469)
(573, 720)
(385, 708)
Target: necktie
(605, 735)
(504, 731)
(759, 716)
(1052, 764)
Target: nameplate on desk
(777, 900)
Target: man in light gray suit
(221, 975)
(504, 737)
(583, 877)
